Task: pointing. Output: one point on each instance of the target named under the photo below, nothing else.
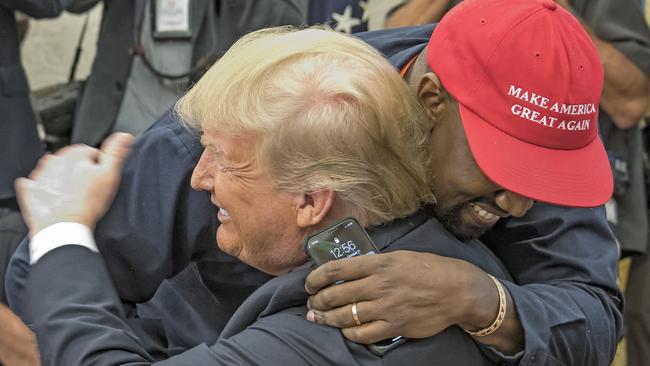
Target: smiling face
(258, 222)
(468, 203)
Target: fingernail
(311, 317)
(308, 305)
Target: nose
(513, 203)
(201, 179)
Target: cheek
(227, 241)
(462, 185)
(442, 190)
(231, 194)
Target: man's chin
(228, 245)
(452, 221)
(466, 233)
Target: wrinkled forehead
(233, 147)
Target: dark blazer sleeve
(86, 310)
(564, 265)
(79, 321)
(157, 223)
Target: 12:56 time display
(344, 250)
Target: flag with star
(346, 16)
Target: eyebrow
(203, 140)
(216, 151)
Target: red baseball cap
(528, 81)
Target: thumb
(22, 187)
(115, 149)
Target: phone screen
(345, 239)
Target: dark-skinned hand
(405, 293)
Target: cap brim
(579, 178)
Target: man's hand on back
(411, 294)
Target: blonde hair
(328, 112)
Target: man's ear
(431, 95)
(314, 207)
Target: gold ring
(355, 314)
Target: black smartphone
(346, 239)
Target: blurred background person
(621, 35)
(637, 313)
(150, 52)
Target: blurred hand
(17, 343)
(77, 184)
(405, 293)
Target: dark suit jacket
(78, 318)
(20, 147)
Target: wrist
(500, 317)
(58, 235)
(481, 302)
(41, 225)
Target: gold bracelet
(500, 315)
